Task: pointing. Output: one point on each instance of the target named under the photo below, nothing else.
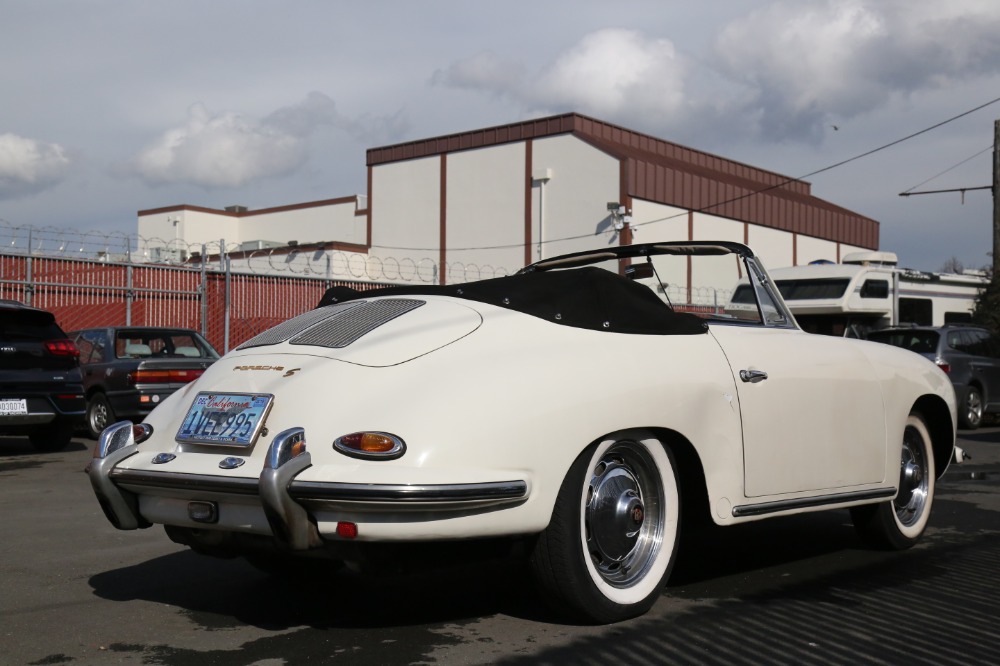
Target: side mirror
(638, 271)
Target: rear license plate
(225, 419)
(11, 407)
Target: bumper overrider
(283, 498)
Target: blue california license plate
(226, 419)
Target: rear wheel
(613, 535)
(99, 414)
(972, 409)
(898, 524)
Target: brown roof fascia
(613, 139)
(248, 213)
(289, 249)
(481, 138)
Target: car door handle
(753, 376)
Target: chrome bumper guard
(280, 494)
(120, 506)
(286, 458)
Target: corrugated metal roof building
(485, 202)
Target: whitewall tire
(611, 543)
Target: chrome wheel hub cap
(974, 408)
(624, 514)
(913, 482)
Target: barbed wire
(116, 246)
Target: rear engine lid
(376, 332)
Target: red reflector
(70, 396)
(944, 366)
(63, 347)
(165, 376)
(347, 530)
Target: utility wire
(727, 201)
(907, 191)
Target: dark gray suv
(970, 356)
(41, 389)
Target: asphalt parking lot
(801, 590)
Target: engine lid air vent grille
(289, 329)
(339, 331)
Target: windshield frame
(770, 305)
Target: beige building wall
(569, 211)
(485, 212)
(332, 222)
(405, 207)
(173, 235)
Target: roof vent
(871, 259)
(236, 209)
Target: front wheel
(612, 539)
(898, 524)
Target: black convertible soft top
(587, 297)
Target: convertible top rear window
(587, 297)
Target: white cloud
(784, 71)
(809, 62)
(615, 72)
(611, 72)
(221, 150)
(482, 71)
(229, 149)
(28, 166)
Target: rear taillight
(944, 365)
(62, 347)
(165, 376)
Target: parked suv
(41, 390)
(129, 370)
(970, 356)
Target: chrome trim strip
(317, 490)
(194, 482)
(362, 492)
(805, 502)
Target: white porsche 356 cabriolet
(572, 407)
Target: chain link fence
(91, 278)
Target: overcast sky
(107, 108)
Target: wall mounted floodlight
(613, 206)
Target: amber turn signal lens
(371, 445)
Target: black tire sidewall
(98, 398)
(558, 558)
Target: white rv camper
(869, 291)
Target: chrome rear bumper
(283, 498)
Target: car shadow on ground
(20, 446)
(223, 593)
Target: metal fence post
(203, 288)
(228, 304)
(129, 294)
(29, 288)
